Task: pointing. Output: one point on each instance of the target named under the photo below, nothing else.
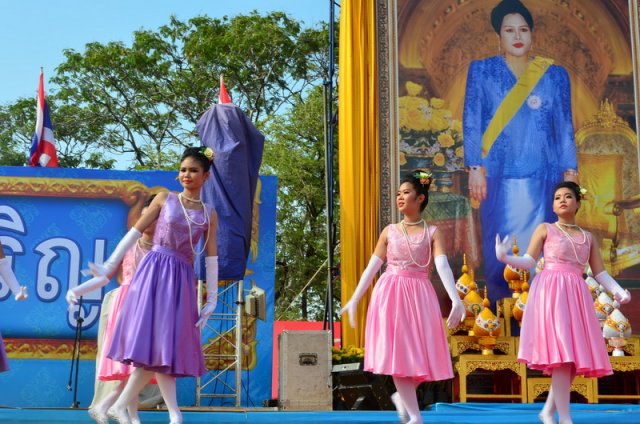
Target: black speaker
(355, 389)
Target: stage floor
(457, 413)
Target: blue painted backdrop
(52, 238)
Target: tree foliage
(296, 154)
(141, 101)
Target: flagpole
(329, 131)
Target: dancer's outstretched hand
(457, 314)
(503, 247)
(350, 308)
(623, 297)
(205, 313)
(22, 294)
(71, 298)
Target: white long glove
(620, 294)
(458, 312)
(375, 263)
(521, 262)
(109, 266)
(19, 292)
(86, 287)
(211, 265)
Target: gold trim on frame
(387, 36)
(132, 193)
(48, 348)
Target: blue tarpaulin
(238, 147)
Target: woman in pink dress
(19, 293)
(109, 370)
(404, 335)
(560, 332)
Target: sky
(35, 32)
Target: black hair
(147, 202)
(198, 154)
(507, 7)
(414, 179)
(575, 188)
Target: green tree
(148, 97)
(295, 153)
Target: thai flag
(224, 96)
(43, 145)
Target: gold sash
(514, 100)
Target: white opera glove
(86, 287)
(620, 294)
(504, 246)
(458, 312)
(19, 292)
(110, 265)
(375, 263)
(211, 265)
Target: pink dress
(110, 369)
(560, 324)
(405, 335)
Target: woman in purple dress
(158, 328)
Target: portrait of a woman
(518, 136)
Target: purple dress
(4, 362)
(156, 328)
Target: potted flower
(429, 137)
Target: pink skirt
(405, 335)
(110, 369)
(560, 325)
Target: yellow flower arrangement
(346, 355)
(430, 138)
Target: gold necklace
(574, 242)
(406, 237)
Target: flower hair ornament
(425, 178)
(208, 153)
(582, 191)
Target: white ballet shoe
(119, 415)
(402, 412)
(98, 416)
(546, 418)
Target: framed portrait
(437, 60)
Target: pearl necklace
(404, 230)
(190, 220)
(574, 242)
(144, 243)
(406, 237)
(191, 199)
(412, 223)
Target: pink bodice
(558, 250)
(399, 257)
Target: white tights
(406, 387)
(138, 379)
(559, 395)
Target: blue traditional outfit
(525, 159)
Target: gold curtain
(358, 153)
